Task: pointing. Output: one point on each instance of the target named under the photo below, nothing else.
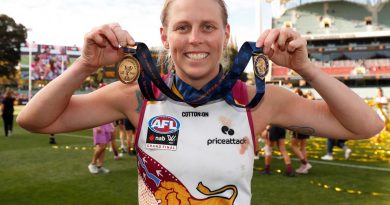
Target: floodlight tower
(30, 46)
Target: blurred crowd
(274, 136)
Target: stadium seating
(338, 71)
(278, 71)
(345, 17)
(343, 68)
(379, 70)
(384, 17)
(353, 53)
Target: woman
(298, 145)
(382, 102)
(7, 112)
(218, 136)
(276, 136)
(101, 138)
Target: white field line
(347, 165)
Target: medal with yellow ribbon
(128, 69)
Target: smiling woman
(195, 39)
(175, 135)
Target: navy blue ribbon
(220, 87)
(194, 97)
(149, 74)
(247, 50)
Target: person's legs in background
(286, 158)
(299, 148)
(346, 149)
(130, 130)
(267, 156)
(114, 148)
(8, 124)
(52, 139)
(122, 134)
(329, 150)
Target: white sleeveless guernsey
(201, 155)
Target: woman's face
(196, 35)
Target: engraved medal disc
(261, 65)
(128, 69)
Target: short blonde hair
(165, 10)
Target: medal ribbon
(209, 92)
(247, 50)
(220, 87)
(150, 74)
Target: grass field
(34, 172)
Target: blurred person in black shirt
(7, 111)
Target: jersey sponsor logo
(164, 124)
(226, 141)
(227, 131)
(195, 114)
(163, 133)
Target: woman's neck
(197, 83)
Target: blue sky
(64, 22)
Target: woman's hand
(102, 46)
(286, 48)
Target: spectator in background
(62, 60)
(339, 143)
(51, 70)
(44, 60)
(7, 109)
(52, 139)
(130, 131)
(382, 102)
(101, 137)
(114, 147)
(298, 145)
(35, 69)
(276, 136)
(120, 127)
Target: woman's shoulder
(123, 89)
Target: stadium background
(347, 45)
(349, 40)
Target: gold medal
(260, 65)
(128, 69)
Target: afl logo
(164, 124)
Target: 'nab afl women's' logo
(261, 65)
(164, 124)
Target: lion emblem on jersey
(172, 193)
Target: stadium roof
(295, 3)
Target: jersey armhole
(240, 93)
